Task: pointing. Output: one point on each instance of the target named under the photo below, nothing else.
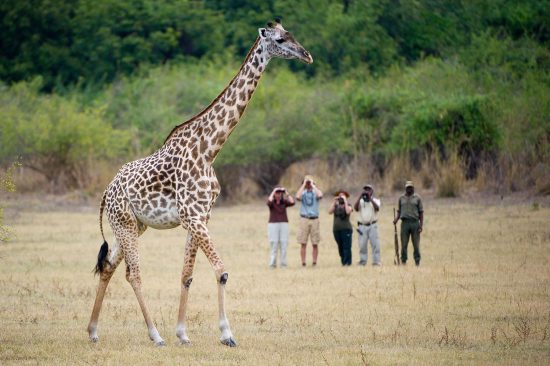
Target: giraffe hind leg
(128, 240)
(105, 268)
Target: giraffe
(177, 186)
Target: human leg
(283, 239)
(375, 244)
(339, 245)
(315, 238)
(303, 234)
(273, 235)
(362, 241)
(315, 253)
(346, 238)
(415, 236)
(404, 240)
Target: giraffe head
(278, 42)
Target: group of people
(410, 211)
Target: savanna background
(452, 94)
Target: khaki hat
(409, 184)
(308, 177)
(368, 186)
(337, 193)
(279, 189)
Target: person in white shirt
(368, 206)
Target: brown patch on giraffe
(203, 146)
(241, 109)
(195, 153)
(231, 102)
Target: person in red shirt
(277, 227)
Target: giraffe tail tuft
(101, 258)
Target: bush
(6, 185)
(54, 136)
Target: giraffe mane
(177, 127)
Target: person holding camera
(368, 206)
(277, 227)
(411, 213)
(309, 195)
(341, 227)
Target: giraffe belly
(159, 218)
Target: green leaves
(54, 135)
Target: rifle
(396, 259)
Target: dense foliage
(94, 80)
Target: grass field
(481, 295)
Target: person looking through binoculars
(368, 206)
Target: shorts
(309, 228)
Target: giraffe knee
(132, 275)
(186, 281)
(223, 278)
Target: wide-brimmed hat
(368, 186)
(337, 193)
(409, 183)
(279, 189)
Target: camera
(340, 200)
(365, 197)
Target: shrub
(6, 185)
(54, 136)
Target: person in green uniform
(411, 213)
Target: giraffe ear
(261, 32)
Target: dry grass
(481, 296)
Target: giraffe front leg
(226, 337)
(186, 279)
(202, 238)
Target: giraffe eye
(280, 40)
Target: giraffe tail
(104, 250)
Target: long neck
(209, 130)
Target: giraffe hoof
(230, 342)
(185, 342)
(160, 343)
(94, 339)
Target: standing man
(411, 213)
(277, 227)
(309, 195)
(368, 206)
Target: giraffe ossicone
(176, 185)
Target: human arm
(420, 215)
(317, 191)
(348, 207)
(356, 205)
(396, 218)
(333, 206)
(300, 191)
(289, 199)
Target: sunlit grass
(482, 294)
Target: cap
(409, 184)
(337, 193)
(368, 186)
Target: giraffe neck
(206, 133)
